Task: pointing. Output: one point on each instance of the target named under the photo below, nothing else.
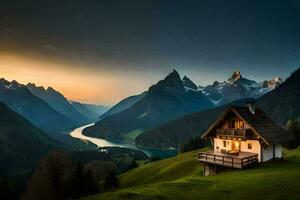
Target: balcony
(233, 133)
(239, 161)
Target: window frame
(249, 145)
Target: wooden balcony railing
(233, 132)
(240, 161)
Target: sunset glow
(81, 84)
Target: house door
(236, 146)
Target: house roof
(270, 132)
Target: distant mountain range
(19, 99)
(136, 116)
(21, 143)
(237, 87)
(58, 102)
(234, 88)
(281, 104)
(47, 109)
(171, 98)
(90, 111)
(168, 99)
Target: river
(162, 153)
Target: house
(242, 136)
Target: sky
(101, 51)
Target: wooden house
(242, 136)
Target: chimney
(251, 106)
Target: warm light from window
(237, 145)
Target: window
(241, 124)
(249, 146)
(236, 124)
(231, 124)
(224, 143)
(217, 147)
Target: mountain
(19, 99)
(98, 109)
(174, 133)
(58, 102)
(21, 143)
(90, 111)
(237, 87)
(269, 85)
(124, 104)
(164, 101)
(189, 84)
(281, 104)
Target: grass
(181, 178)
(130, 137)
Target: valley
(157, 152)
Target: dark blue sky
(204, 39)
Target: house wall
(278, 151)
(218, 144)
(267, 153)
(256, 147)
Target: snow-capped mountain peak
(237, 87)
(269, 85)
(189, 85)
(235, 76)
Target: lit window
(249, 146)
(224, 143)
(241, 125)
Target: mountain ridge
(237, 87)
(280, 104)
(19, 99)
(90, 111)
(58, 102)
(163, 101)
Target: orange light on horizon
(79, 84)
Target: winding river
(77, 133)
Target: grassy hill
(181, 177)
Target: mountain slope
(181, 177)
(91, 112)
(58, 102)
(19, 99)
(166, 100)
(280, 104)
(175, 132)
(21, 143)
(98, 109)
(124, 104)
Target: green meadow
(181, 177)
